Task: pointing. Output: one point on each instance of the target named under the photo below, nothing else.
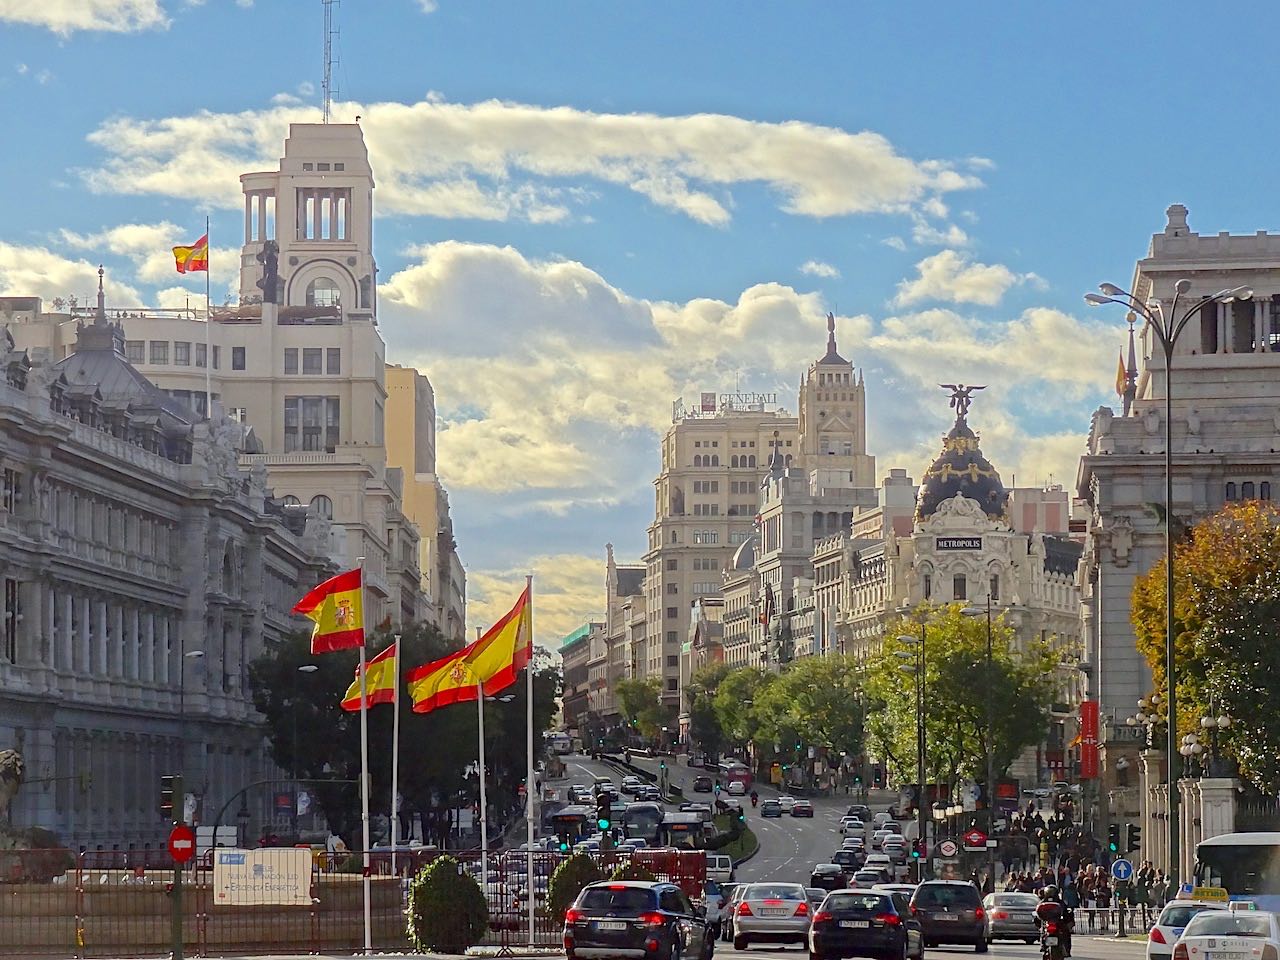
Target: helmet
(1049, 893)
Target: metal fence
(112, 904)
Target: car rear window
(626, 900)
(1179, 916)
(856, 902)
(1220, 923)
(774, 891)
(1027, 901)
(947, 895)
(720, 862)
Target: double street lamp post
(917, 654)
(1166, 327)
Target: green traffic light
(602, 823)
(1113, 847)
(564, 847)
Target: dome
(744, 558)
(962, 469)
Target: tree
(958, 689)
(447, 910)
(735, 703)
(1226, 631)
(567, 882)
(819, 700)
(639, 701)
(704, 724)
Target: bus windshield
(643, 820)
(1244, 870)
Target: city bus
(559, 742)
(574, 822)
(735, 771)
(643, 819)
(1246, 865)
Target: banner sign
(1088, 739)
(708, 403)
(958, 543)
(275, 875)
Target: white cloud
(568, 590)
(428, 6)
(306, 89)
(21, 68)
(951, 277)
(67, 16)
(149, 246)
(897, 243)
(499, 160)
(816, 268)
(40, 272)
(926, 234)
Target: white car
(879, 861)
(878, 838)
(851, 826)
(1173, 919)
(737, 788)
(1230, 933)
(851, 843)
(787, 803)
(881, 819)
(631, 784)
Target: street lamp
(293, 767)
(182, 722)
(916, 652)
(991, 777)
(1167, 328)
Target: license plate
(1050, 941)
(611, 925)
(773, 912)
(946, 916)
(855, 924)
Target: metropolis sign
(958, 543)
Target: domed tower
(961, 468)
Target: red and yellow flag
(494, 661)
(194, 258)
(337, 607)
(380, 678)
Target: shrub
(447, 910)
(567, 882)
(632, 871)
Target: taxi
(1238, 933)
(1172, 922)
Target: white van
(719, 868)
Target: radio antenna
(330, 91)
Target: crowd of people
(1090, 886)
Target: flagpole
(208, 319)
(395, 762)
(484, 800)
(530, 790)
(364, 775)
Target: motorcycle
(1054, 930)
(755, 799)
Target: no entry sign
(182, 843)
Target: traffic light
(170, 791)
(602, 811)
(1113, 838)
(564, 845)
(662, 764)
(917, 849)
(1133, 837)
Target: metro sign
(975, 839)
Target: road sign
(1122, 869)
(975, 839)
(182, 843)
(947, 848)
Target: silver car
(1011, 916)
(772, 913)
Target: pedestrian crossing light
(1133, 837)
(1113, 838)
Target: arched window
(697, 460)
(787, 461)
(1246, 490)
(322, 292)
(959, 589)
(322, 505)
(291, 501)
(733, 461)
(715, 460)
(1264, 490)
(1231, 491)
(751, 460)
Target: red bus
(732, 771)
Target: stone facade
(143, 571)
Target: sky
(587, 209)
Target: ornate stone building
(143, 570)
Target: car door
(915, 939)
(692, 927)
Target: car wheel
(740, 943)
(980, 947)
(675, 952)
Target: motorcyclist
(755, 798)
(1051, 894)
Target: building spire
(1131, 369)
(832, 355)
(100, 317)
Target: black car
(702, 785)
(829, 876)
(950, 911)
(861, 811)
(771, 808)
(635, 918)
(865, 923)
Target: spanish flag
(194, 258)
(494, 660)
(380, 678)
(337, 607)
(1122, 377)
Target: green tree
(1226, 632)
(567, 882)
(820, 700)
(447, 911)
(958, 688)
(640, 703)
(704, 724)
(734, 703)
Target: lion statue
(11, 769)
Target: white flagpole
(395, 762)
(531, 791)
(208, 319)
(364, 778)
(484, 800)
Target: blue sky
(589, 208)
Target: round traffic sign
(947, 848)
(182, 843)
(1122, 869)
(975, 838)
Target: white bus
(559, 742)
(1246, 865)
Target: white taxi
(1235, 934)
(1167, 930)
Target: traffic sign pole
(179, 838)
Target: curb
(738, 863)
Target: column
(102, 666)
(119, 642)
(1186, 828)
(317, 197)
(84, 647)
(248, 217)
(133, 643)
(67, 635)
(261, 200)
(1259, 324)
(147, 631)
(160, 624)
(48, 629)
(1224, 328)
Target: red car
(802, 808)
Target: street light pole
(1167, 329)
(921, 741)
(182, 725)
(293, 766)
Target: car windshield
(947, 895)
(774, 891)
(1179, 915)
(1028, 901)
(616, 900)
(856, 903)
(845, 857)
(1220, 923)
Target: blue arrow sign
(1122, 869)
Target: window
(1246, 490)
(322, 506)
(739, 537)
(322, 292)
(159, 351)
(217, 357)
(308, 166)
(338, 167)
(135, 351)
(239, 414)
(12, 488)
(672, 613)
(715, 461)
(673, 563)
(673, 589)
(311, 358)
(322, 166)
(311, 423)
(290, 359)
(333, 361)
(202, 354)
(671, 684)
(1264, 490)
(928, 586)
(237, 358)
(1231, 491)
(959, 591)
(182, 353)
(291, 501)
(673, 661)
(995, 587)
